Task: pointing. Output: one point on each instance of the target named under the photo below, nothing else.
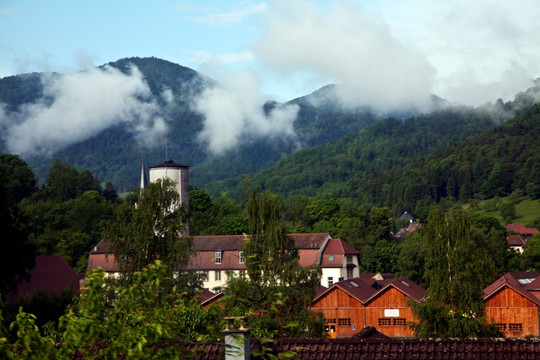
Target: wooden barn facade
(369, 300)
(512, 305)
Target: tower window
(217, 257)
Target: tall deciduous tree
(277, 293)
(458, 266)
(153, 230)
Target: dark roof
(389, 348)
(515, 240)
(406, 216)
(369, 332)
(168, 164)
(218, 242)
(519, 228)
(50, 274)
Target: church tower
(177, 173)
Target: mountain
(371, 166)
(113, 154)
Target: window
(344, 322)
(515, 327)
(218, 275)
(329, 321)
(349, 259)
(242, 274)
(330, 281)
(384, 322)
(331, 258)
(204, 276)
(241, 257)
(399, 321)
(350, 273)
(217, 257)
(502, 327)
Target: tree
(16, 252)
(458, 268)
(19, 180)
(152, 231)
(508, 212)
(530, 259)
(383, 258)
(277, 292)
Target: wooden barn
(512, 305)
(376, 300)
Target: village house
(378, 300)
(217, 255)
(513, 302)
(516, 243)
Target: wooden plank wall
(391, 299)
(509, 307)
(337, 306)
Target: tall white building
(180, 175)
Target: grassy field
(527, 210)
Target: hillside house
(378, 300)
(516, 243)
(215, 255)
(513, 304)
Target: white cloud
(233, 114)
(482, 50)
(79, 105)
(345, 45)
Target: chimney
(237, 344)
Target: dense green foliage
(494, 163)
(153, 230)
(277, 292)
(144, 322)
(458, 265)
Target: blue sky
(466, 45)
(387, 54)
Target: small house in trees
(407, 216)
(516, 243)
(512, 303)
(378, 300)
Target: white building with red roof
(217, 255)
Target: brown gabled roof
(515, 240)
(508, 281)
(219, 242)
(309, 241)
(208, 297)
(355, 287)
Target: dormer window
(217, 257)
(241, 257)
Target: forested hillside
(494, 163)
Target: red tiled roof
(519, 228)
(50, 273)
